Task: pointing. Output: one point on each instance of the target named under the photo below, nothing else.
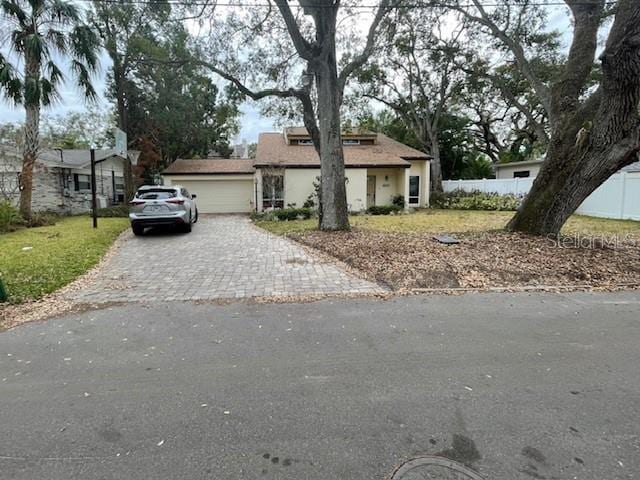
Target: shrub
(293, 213)
(9, 216)
(42, 219)
(383, 209)
(283, 214)
(474, 200)
(115, 211)
(398, 200)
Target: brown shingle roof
(273, 151)
(210, 166)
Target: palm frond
(49, 92)
(63, 12)
(83, 80)
(57, 39)
(10, 83)
(85, 45)
(11, 9)
(54, 73)
(35, 48)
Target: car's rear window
(156, 194)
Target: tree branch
(303, 47)
(361, 59)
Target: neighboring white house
(525, 169)
(62, 179)
(286, 166)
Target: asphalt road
(519, 386)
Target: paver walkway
(223, 257)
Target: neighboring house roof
(81, 158)
(71, 158)
(524, 163)
(634, 167)
(273, 151)
(209, 166)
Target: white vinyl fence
(618, 197)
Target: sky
(252, 122)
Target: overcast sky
(252, 123)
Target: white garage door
(221, 196)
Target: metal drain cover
(431, 467)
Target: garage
(222, 195)
(221, 185)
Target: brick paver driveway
(223, 257)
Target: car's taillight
(136, 202)
(177, 201)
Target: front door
(371, 190)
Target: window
(81, 182)
(305, 142)
(119, 184)
(414, 189)
(158, 194)
(351, 142)
(273, 191)
(521, 174)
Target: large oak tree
(593, 131)
(303, 53)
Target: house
(377, 169)
(62, 179)
(524, 169)
(530, 168)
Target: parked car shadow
(164, 231)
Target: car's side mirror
(193, 195)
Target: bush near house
(115, 211)
(10, 218)
(383, 209)
(475, 200)
(283, 214)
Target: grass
(451, 221)
(37, 261)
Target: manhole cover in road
(434, 468)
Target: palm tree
(38, 32)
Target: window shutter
(76, 184)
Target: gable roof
(273, 151)
(184, 166)
(71, 158)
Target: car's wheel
(195, 220)
(186, 228)
(137, 230)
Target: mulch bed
(482, 260)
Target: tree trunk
(601, 137)
(31, 141)
(335, 214)
(129, 185)
(436, 166)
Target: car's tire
(138, 230)
(196, 219)
(186, 228)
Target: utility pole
(94, 203)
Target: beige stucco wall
(506, 171)
(298, 185)
(389, 182)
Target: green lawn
(451, 221)
(37, 261)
